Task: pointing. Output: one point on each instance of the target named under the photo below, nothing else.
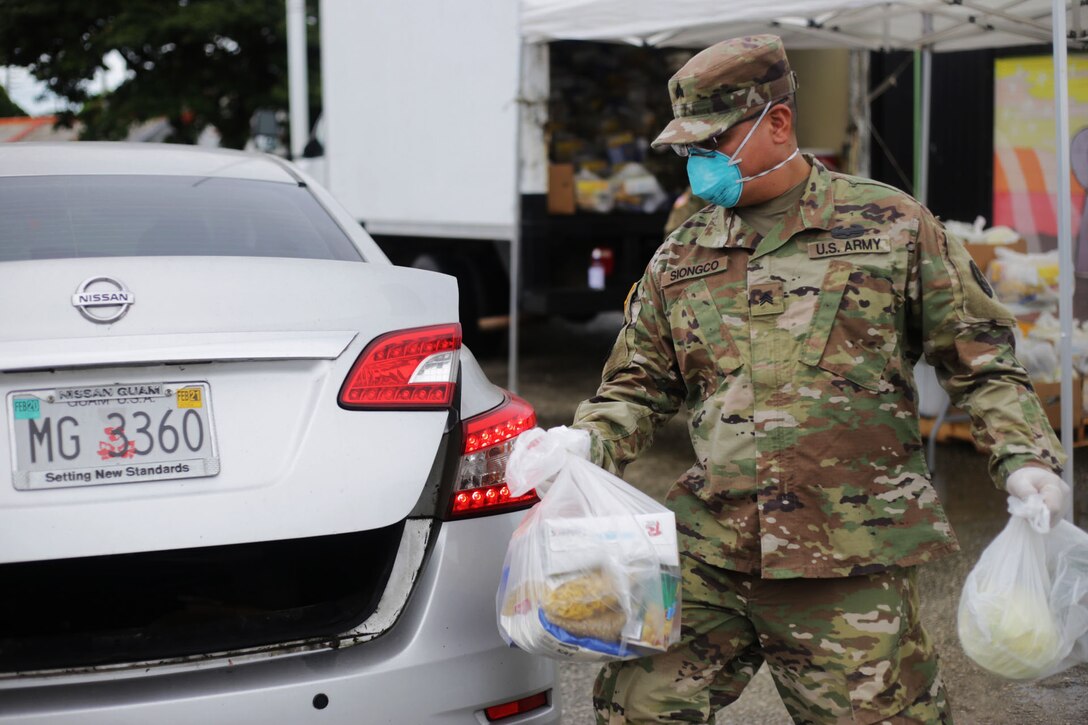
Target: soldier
(685, 205)
(788, 315)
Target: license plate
(116, 433)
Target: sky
(32, 97)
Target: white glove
(539, 455)
(1030, 480)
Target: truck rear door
(420, 100)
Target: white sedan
(250, 475)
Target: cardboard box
(561, 189)
(983, 254)
(1050, 395)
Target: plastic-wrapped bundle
(592, 572)
(1023, 613)
(1030, 279)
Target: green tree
(196, 62)
(9, 107)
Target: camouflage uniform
(794, 354)
(810, 632)
(686, 204)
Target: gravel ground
(560, 365)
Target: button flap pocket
(705, 349)
(853, 331)
(838, 273)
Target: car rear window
(59, 217)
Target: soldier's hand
(1030, 480)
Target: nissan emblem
(105, 295)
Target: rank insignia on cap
(722, 84)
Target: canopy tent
(860, 24)
(871, 25)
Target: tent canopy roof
(859, 24)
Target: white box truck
(442, 128)
(438, 138)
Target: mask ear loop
(736, 159)
(776, 167)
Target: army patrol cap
(723, 84)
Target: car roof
(99, 158)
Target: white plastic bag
(1023, 613)
(1025, 278)
(592, 573)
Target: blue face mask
(716, 177)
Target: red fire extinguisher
(601, 262)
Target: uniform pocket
(705, 349)
(853, 332)
(902, 665)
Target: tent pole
(916, 70)
(924, 94)
(298, 101)
(859, 111)
(515, 236)
(1065, 238)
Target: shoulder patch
(981, 279)
(691, 271)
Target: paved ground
(560, 365)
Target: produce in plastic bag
(592, 193)
(1046, 330)
(977, 233)
(592, 573)
(1023, 613)
(1030, 279)
(634, 188)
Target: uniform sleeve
(641, 387)
(967, 336)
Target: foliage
(195, 62)
(9, 107)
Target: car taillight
(488, 441)
(414, 369)
(509, 709)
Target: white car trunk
(272, 341)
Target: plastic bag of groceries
(592, 573)
(1025, 278)
(1023, 613)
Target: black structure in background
(891, 148)
(961, 133)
